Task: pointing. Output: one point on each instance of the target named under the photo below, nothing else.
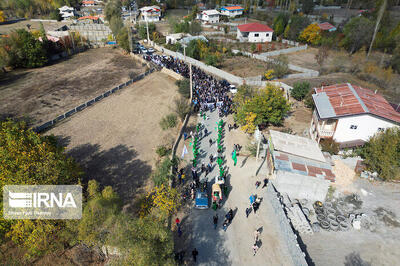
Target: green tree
(142, 31)
(300, 90)
(27, 158)
(123, 39)
(296, 25)
(357, 33)
(280, 23)
(269, 105)
(382, 154)
(184, 87)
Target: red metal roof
(88, 2)
(232, 7)
(88, 17)
(326, 26)
(254, 27)
(345, 101)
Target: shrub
(162, 151)
(308, 100)
(280, 66)
(252, 148)
(168, 121)
(329, 145)
(184, 87)
(300, 90)
(182, 108)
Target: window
(353, 127)
(256, 34)
(381, 129)
(267, 35)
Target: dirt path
(115, 140)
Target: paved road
(233, 247)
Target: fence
(81, 107)
(289, 237)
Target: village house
(150, 13)
(298, 167)
(232, 11)
(67, 12)
(88, 3)
(254, 32)
(175, 37)
(326, 26)
(350, 114)
(209, 16)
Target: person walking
(225, 225)
(210, 141)
(256, 205)
(194, 254)
(203, 167)
(230, 214)
(256, 235)
(248, 211)
(177, 222)
(205, 132)
(265, 183)
(255, 249)
(183, 178)
(215, 221)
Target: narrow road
(234, 247)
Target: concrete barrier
(171, 73)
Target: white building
(298, 166)
(67, 12)
(350, 114)
(232, 11)
(88, 3)
(150, 13)
(209, 16)
(254, 32)
(175, 37)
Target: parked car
(151, 50)
(201, 200)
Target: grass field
(43, 93)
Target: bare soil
(34, 25)
(43, 93)
(243, 66)
(115, 140)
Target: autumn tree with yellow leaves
(311, 34)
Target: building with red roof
(326, 26)
(350, 114)
(150, 13)
(254, 32)
(88, 3)
(232, 11)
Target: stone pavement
(233, 247)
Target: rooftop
(346, 100)
(232, 8)
(296, 145)
(211, 12)
(326, 26)
(150, 9)
(88, 17)
(254, 27)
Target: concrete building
(232, 11)
(150, 13)
(326, 26)
(299, 168)
(254, 32)
(175, 37)
(67, 12)
(209, 16)
(350, 114)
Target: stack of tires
(330, 217)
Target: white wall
(232, 13)
(152, 18)
(367, 126)
(210, 19)
(262, 36)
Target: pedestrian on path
(255, 249)
(248, 211)
(210, 141)
(215, 221)
(256, 205)
(230, 214)
(256, 235)
(194, 254)
(205, 132)
(203, 167)
(258, 183)
(177, 221)
(183, 178)
(225, 225)
(252, 199)
(265, 182)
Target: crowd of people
(208, 92)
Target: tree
(123, 39)
(30, 159)
(182, 108)
(143, 30)
(321, 56)
(280, 66)
(382, 153)
(357, 33)
(307, 6)
(280, 23)
(311, 34)
(162, 201)
(23, 50)
(2, 16)
(296, 25)
(184, 87)
(269, 105)
(300, 90)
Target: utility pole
(184, 50)
(378, 21)
(130, 31)
(147, 28)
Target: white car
(233, 89)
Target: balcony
(326, 131)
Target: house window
(381, 129)
(353, 127)
(256, 34)
(267, 34)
